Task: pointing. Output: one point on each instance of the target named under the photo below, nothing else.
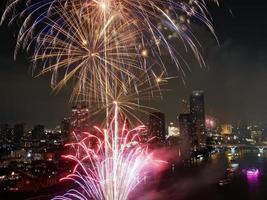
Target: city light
(114, 55)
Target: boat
(252, 172)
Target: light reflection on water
(222, 177)
(252, 166)
(231, 165)
(253, 180)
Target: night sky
(234, 81)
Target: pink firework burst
(110, 164)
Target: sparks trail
(113, 51)
(110, 163)
(102, 42)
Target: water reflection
(234, 173)
(253, 179)
(249, 166)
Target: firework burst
(114, 51)
(103, 42)
(111, 163)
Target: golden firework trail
(114, 51)
(106, 43)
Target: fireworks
(114, 51)
(103, 43)
(110, 164)
(129, 98)
(98, 57)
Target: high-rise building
(244, 132)
(156, 127)
(185, 125)
(197, 112)
(185, 106)
(185, 131)
(5, 132)
(38, 132)
(19, 131)
(65, 126)
(79, 118)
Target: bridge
(233, 147)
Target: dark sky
(235, 81)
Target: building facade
(156, 127)
(197, 112)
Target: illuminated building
(5, 132)
(212, 131)
(256, 132)
(6, 138)
(156, 127)
(79, 118)
(244, 130)
(226, 129)
(197, 112)
(65, 126)
(186, 106)
(229, 134)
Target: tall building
(6, 132)
(79, 118)
(197, 112)
(185, 131)
(19, 131)
(38, 132)
(244, 131)
(185, 125)
(156, 127)
(65, 126)
(185, 106)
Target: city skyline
(142, 100)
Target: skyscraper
(185, 125)
(38, 132)
(79, 118)
(6, 132)
(197, 112)
(186, 133)
(156, 127)
(65, 126)
(19, 131)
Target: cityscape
(31, 158)
(133, 100)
